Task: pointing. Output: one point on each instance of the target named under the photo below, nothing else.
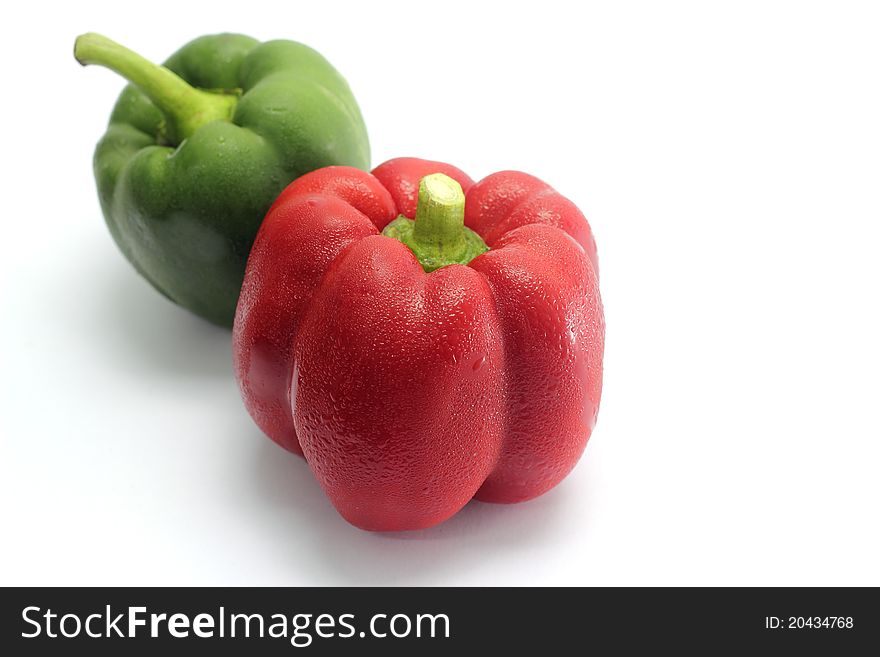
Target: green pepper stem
(186, 108)
(438, 236)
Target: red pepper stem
(439, 214)
(438, 236)
(186, 108)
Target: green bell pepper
(198, 149)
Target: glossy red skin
(411, 393)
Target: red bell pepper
(410, 392)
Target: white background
(728, 158)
